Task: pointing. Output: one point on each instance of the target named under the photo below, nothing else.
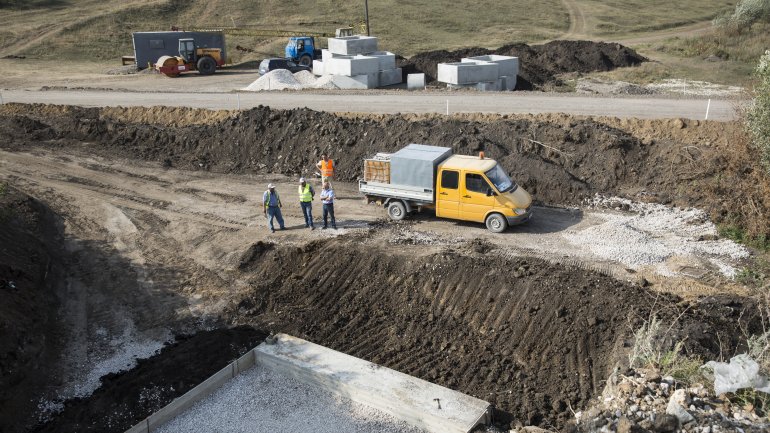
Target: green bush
(758, 115)
(746, 13)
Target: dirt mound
(29, 332)
(126, 398)
(539, 64)
(560, 159)
(531, 337)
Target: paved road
(397, 102)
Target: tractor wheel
(306, 60)
(496, 223)
(206, 66)
(396, 210)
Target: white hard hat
(301, 179)
(270, 186)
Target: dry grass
(78, 29)
(624, 17)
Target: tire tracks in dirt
(577, 21)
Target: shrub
(746, 13)
(758, 115)
(652, 349)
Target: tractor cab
(187, 50)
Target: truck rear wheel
(306, 60)
(496, 223)
(396, 210)
(206, 66)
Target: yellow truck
(457, 187)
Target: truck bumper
(519, 219)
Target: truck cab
(477, 189)
(302, 50)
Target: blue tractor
(302, 50)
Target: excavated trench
(535, 338)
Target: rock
(676, 406)
(665, 423)
(532, 429)
(625, 425)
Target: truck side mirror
(490, 193)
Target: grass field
(100, 30)
(75, 29)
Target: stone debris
(642, 401)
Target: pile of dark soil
(532, 337)
(539, 64)
(127, 398)
(29, 336)
(559, 160)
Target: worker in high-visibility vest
(326, 166)
(272, 206)
(306, 195)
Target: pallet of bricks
(377, 169)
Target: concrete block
(326, 54)
(390, 77)
(509, 66)
(484, 86)
(364, 81)
(415, 81)
(468, 72)
(387, 59)
(139, 428)
(352, 45)
(318, 67)
(352, 65)
(509, 83)
(404, 397)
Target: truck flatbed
(389, 190)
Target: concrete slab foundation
(390, 77)
(415, 81)
(415, 401)
(352, 45)
(509, 82)
(468, 72)
(484, 86)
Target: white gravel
(259, 400)
(279, 79)
(651, 234)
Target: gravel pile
(281, 79)
(643, 401)
(653, 233)
(260, 400)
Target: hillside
(100, 30)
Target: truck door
(448, 194)
(475, 201)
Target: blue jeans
(307, 212)
(329, 211)
(274, 212)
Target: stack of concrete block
(486, 73)
(355, 63)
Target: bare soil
(162, 231)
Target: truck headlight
(520, 211)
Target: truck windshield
(502, 182)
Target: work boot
(272, 230)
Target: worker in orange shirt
(326, 166)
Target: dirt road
(396, 102)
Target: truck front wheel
(496, 223)
(396, 210)
(206, 66)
